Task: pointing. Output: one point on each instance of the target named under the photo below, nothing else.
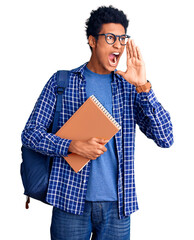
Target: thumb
(120, 73)
(101, 140)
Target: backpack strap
(62, 83)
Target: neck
(95, 66)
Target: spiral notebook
(90, 120)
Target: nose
(117, 43)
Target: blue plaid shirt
(67, 189)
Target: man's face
(106, 56)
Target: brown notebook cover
(90, 120)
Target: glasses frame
(115, 36)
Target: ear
(92, 41)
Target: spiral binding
(105, 111)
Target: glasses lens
(110, 38)
(123, 39)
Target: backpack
(35, 168)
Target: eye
(122, 38)
(110, 37)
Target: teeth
(116, 53)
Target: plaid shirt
(67, 189)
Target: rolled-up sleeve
(35, 135)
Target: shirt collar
(80, 70)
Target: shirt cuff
(62, 147)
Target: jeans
(99, 218)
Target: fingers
(101, 149)
(97, 151)
(129, 50)
(139, 54)
(100, 140)
(132, 50)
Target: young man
(101, 197)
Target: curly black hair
(104, 15)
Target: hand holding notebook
(91, 149)
(89, 121)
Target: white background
(41, 37)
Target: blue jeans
(99, 218)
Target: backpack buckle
(60, 90)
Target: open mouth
(113, 59)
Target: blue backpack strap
(62, 83)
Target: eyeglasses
(111, 38)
